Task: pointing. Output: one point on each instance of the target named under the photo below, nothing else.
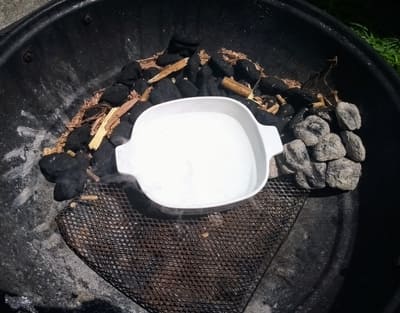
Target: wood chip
(121, 111)
(101, 132)
(146, 94)
(205, 235)
(231, 56)
(150, 62)
(291, 83)
(92, 175)
(281, 100)
(89, 198)
(73, 205)
(236, 87)
(71, 153)
(169, 69)
(274, 109)
(97, 123)
(204, 57)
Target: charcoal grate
(210, 264)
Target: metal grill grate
(205, 264)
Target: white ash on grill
(309, 121)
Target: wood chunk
(102, 131)
(150, 62)
(204, 57)
(120, 112)
(146, 94)
(169, 70)
(92, 175)
(89, 198)
(231, 56)
(236, 87)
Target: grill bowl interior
(57, 57)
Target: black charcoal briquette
(54, 166)
(168, 58)
(246, 70)
(129, 74)
(69, 186)
(219, 67)
(132, 115)
(121, 134)
(150, 73)
(78, 139)
(272, 86)
(299, 98)
(115, 95)
(103, 161)
(164, 90)
(192, 68)
(187, 88)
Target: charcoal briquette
(213, 87)
(311, 130)
(298, 97)
(164, 90)
(219, 67)
(192, 68)
(150, 73)
(343, 174)
(286, 110)
(330, 147)
(132, 115)
(70, 185)
(168, 58)
(246, 70)
(267, 118)
(78, 139)
(184, 44)
(121, 134)
(103, 161)
(141, 85)
(271, 85)
(93, 111)
(129, 74)
(115, 95)
(187, 88)
(54, 166)
(204, 74)
(348, 116)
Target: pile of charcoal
(320, 148)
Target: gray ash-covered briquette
(129, 74)
(315, 179)
(348, 116)
(354, 146)
(343, 174)
(246, 70)
(330, 147)
(164, 90)
(295, 157)
(311, 130)
(78, 139)
(115, 95)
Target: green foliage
(388, 48)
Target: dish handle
(271, 140)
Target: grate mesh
(205, 264)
